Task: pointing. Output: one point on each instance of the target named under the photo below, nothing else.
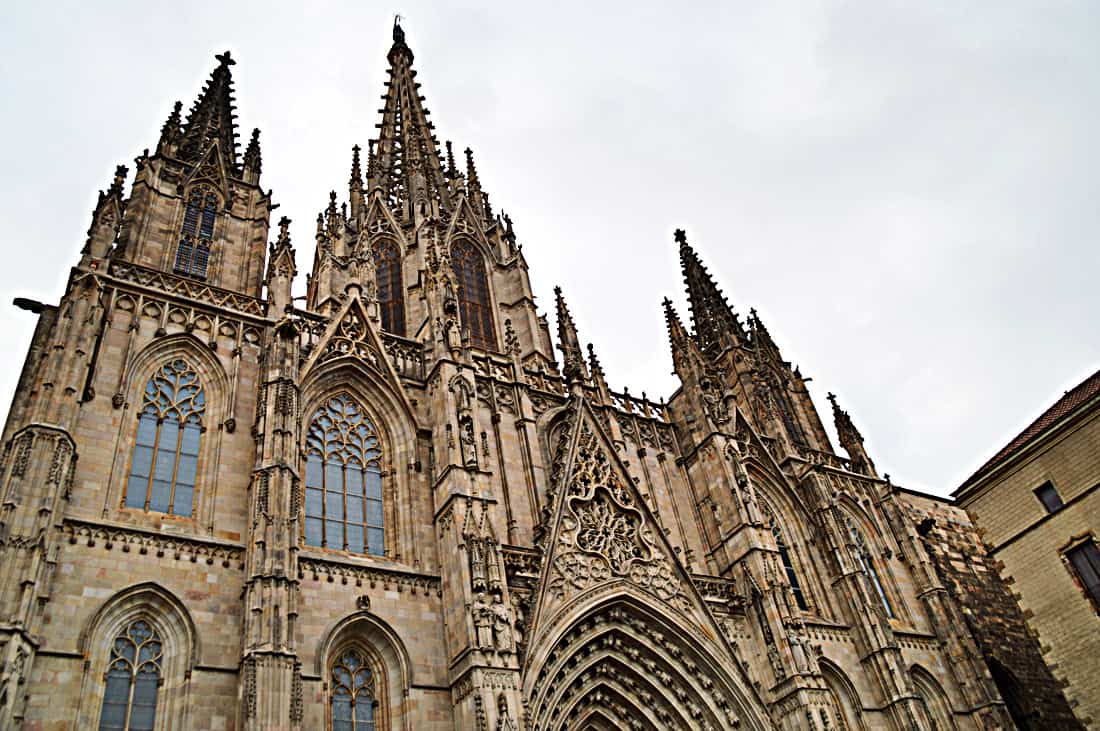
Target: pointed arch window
(166, 449)
(391, 297)
(354, 700)
(867, 565)
(133, 679)
(785, 557)
(344, 480)
(473, 294)
(196, 234)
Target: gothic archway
(622, 665)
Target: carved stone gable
(604, 532)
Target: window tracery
(196, 233)
(473, 294)
(390, 290)
(344, 480)
(353, 692)
(166, 448)
(132, 679)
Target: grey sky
(906, 192)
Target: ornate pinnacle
(472, 181)
(253, 161)
(573, 362)
(284, 230)
(356, 181)
(116, 184)
(452, 170)
(171, 129)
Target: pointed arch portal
(622, 665)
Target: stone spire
(678, 337)
(850, 438)
(212, 117)
(716, 324)
(406, 154)
(170, 132)
(355, 184)
(253, 160)
(281, 270)
(107, 217)
(573, 367)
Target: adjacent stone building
(393, 506)
(1037, 504)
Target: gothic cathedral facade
(390, 505)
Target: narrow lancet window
(391, 298)
(867, 565)
(344, 480)
(132, 681)
(166, 450)
(473, 294)
(196, 234)
(785, 557)
(353, 694)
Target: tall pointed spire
(406, 156)
(573, 367)
(211, 117)
(850, 438)
(678, 336)
(716, 324)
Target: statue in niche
(483, 621)
(502, 625)
(468, 441)
(477, 565)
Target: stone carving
(482, 615)
(604, 534)
(352, 339)
(502, 625)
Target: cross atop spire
(716, 324)
(212, 116)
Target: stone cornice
(129, 539)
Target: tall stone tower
(392, 506)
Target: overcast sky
(906, 192)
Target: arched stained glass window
(166, 450)
(353, 693)
(473, 294)
(193, 253)
(344, 480)
(785, 557)
(391, 296)
(133, 678)
(867, 565)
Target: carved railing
(724, 592)
(406, 355)
(187, 288)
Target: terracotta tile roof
(1075, 397)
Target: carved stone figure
(502, 625)
(483, 618)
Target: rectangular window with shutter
(1085, 561)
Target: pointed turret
(761, 338)
(850, 439)
(107, 217)
(573, 367)
(211, 118)
(716, 324)
(407, 164)
(355, 184)
(253, 160)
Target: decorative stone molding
(371, 576)
(135, 540)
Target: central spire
(716, 324)
(406, 164)
(212, 117)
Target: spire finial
(225, 59)
(284, 230)
(212, 116)
(471, 171)
(680, 236)
(356, 170)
